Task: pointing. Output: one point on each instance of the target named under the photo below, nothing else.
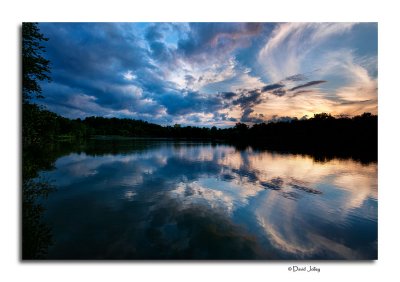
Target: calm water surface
(187, 200)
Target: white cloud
(297, 48)
(129, 75)
(290, 43)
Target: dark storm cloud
(272, 87)
(93, 49)
(246, 116)
(92, 66)
(71, 103)
(276, 118)
(280, 89)
(296, 77)
(160, 51)
(279, 92)
(311, 83)
(91, 59)
(154, 33)
(155, 39)
(190, 102)
(228, 95)
(166, 70)
(112, 69)
(222, 117)
(246, 101)
(205, 39)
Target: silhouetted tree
(241, 126)
(323, 116)
(39, 127)
(35, 67)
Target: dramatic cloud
(308, 84)
(210, 73)
(291, 43)
(205, 40)
(272, 87)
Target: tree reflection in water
(196, 200)
(36, 234)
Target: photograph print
(199, 141)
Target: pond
(163, 199)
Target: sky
(211, 74)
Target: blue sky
(211, 73)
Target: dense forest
(322, 130)
(322, 134)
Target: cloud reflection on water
(277, 206)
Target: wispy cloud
(308, 84)
(209, 73)
(291, 43)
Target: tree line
(321, 130)
(40, 126)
